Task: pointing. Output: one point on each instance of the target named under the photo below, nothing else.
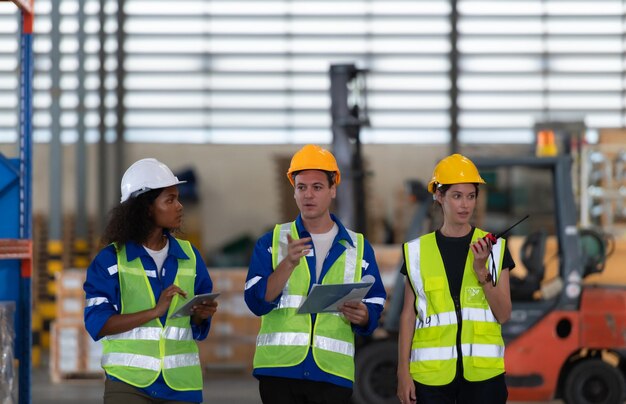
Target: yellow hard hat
(454, 169)
(313, 157)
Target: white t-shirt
(322, 243)
(159, 258)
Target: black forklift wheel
(594, 381)
(376, 366)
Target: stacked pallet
(50, 257)
(231, 342)
(73, 354)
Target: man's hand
(297, 249)
(356, 313)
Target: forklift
(568, 342)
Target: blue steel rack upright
(21, 248)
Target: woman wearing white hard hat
(456, 296)
(135, 284)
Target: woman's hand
(481, 250)
(165, 299)
(406, 388)
(204, 310)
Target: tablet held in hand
(185, 310)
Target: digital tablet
(185, 309)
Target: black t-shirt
(454, 253)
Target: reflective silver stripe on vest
(283, 249)
(132, 360)
(139, 333)
(334, 345)
(484, 350)
(496, 252)
(178, 333)
(416, 277)
(435, 320)
(474, 314)
(283, 338)
(180, 361)
(433, 354)
(350, 268)
(290, 302)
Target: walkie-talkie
(494, 237)
(493, 271)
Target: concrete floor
(218, 388)
(222, 388)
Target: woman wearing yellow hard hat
(453, 352)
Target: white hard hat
(145, 175)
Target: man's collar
(342, 234)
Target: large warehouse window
(524, 61)
(59, 90)
(257, 71)
(8, 71)
(228, 71)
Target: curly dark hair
(130, 220)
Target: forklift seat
(532, 254)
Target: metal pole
(25, 153)
(102, 110)
(56, 153)
(454, 75)
(120, 91)
(81, 243)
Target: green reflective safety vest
(433, 350)
(285, 336)
(139, 355)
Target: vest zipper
(313, 321)
(459, 321)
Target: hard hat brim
(146, 189)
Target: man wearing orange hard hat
(309, 357)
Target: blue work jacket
(102, 290)
(256, 284)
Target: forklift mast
(349, 115)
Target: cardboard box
(70, 282)
(228, 280)
(226, 354)
(224, 325)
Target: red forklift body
(536, 359)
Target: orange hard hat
(454, 169)
(313, 157)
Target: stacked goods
(231, 341)
(73, 354)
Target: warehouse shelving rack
(21, 248)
